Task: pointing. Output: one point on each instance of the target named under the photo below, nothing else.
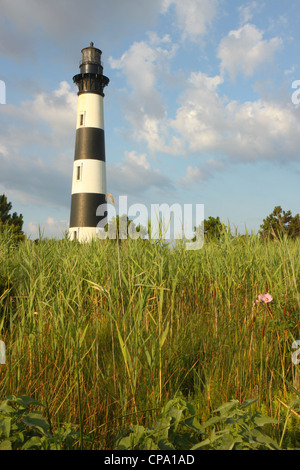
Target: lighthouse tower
(89, 170)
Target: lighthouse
(89, 168)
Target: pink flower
(266, 298)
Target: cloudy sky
(199, 108)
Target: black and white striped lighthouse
(89, 170)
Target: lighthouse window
(81, 119)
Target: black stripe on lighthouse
(90, 143)
(84, 207)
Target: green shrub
(232, 428)
(22, 428)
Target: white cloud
(51, 116)
(262, 130)
(139, 64)
(200, 118)
(205, 120)
(135, 159)
(40, 136)
(258, 130)
(246, 11)
(134, 176)
(143, 65)
(194, 175)
(244, 50)
(56, 109)
(193, 16)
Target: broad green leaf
(262, 420)
(5, 445)
(5, 426)
(34, 441)
(228, 442)
(226, 407)
(125, 443)
(165, 444)
(25, 401)
(194, 424)
(132, 441)
(262, 438)
(212, 421)
(248, 402)
(138, 433)
(184, 441)
(7, 407)
(176, 415)
(36, 420)
(149, 444)
(161, 428)
(206, 442)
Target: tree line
(11, 220)
(276, 225)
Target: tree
(213, 228)
(121, 227)
(13, 221)
(280, 223)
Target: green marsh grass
(105, 333)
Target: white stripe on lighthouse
(90, 111)
(89, 176)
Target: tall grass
(104, 333)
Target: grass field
(104, 334)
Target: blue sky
(198, 110)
